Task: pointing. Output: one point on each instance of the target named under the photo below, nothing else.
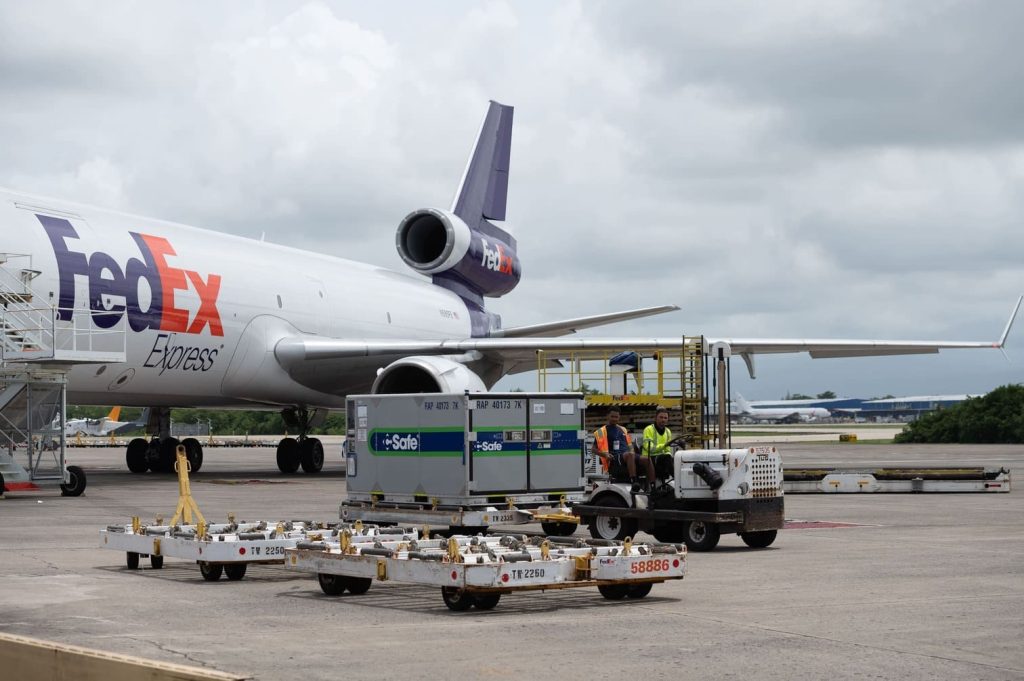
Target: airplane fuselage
(199, 307)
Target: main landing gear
(157, 454)
(304, 451)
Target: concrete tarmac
(921, 587)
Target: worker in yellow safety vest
(614, 447)
(656, 440)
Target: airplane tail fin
(483, 192)
(742, 403)
(114, 414)
(461, 249)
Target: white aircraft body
(780, 414)
(215, 320)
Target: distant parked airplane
(105, 425)
(780, 414)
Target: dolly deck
(477, 571)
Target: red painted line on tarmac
(817, 525)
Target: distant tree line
(222, 421)
(995, 418)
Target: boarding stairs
(38, 349)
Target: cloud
(848, 169)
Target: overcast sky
(784, 169)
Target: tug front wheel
(610, 527)
(701, 536)
(759, 540)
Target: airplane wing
(515, 350)
(568, 326)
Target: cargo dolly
(556, 520)
(475, 571)
(219, 548)
(813, 479)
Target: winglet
(1009, 324)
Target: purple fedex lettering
(69, 263)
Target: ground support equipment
(861, 480)
(224, 547)
(555, 520)
(478, 570)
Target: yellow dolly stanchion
(186, 504)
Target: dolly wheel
(614, 592)
(235, 572)
(210, 572)
(132, 560)
(457, 599)
(639, 590)
(357, 586)
(156, 562)
(557, 529)
(332, 585)
(487, 601)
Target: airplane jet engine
(438, 243)
(424, 374)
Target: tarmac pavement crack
(865, 646)
(172, 651)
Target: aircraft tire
(311, 455)
(76, 483)
(194, 453)
(135, 456)
(288, 455)
(168, 449)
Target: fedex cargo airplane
(215, 320)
